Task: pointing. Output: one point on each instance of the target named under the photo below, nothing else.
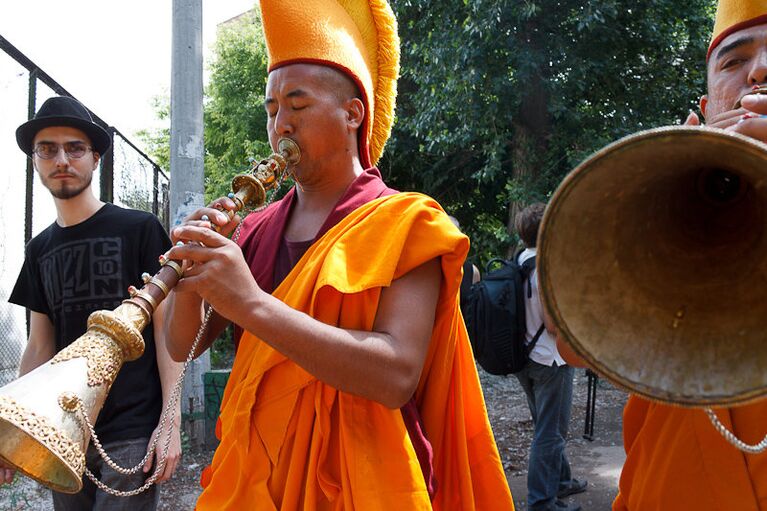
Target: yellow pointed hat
(734, 15)
(358, 37)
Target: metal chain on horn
(732, 439)
(151, 448)
(83, 416)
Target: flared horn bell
(653, 264)
(40, 433)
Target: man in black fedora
(83, 262)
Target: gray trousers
(125, 453)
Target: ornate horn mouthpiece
(250, 189)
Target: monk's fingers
(191, 283)
(193, 269)
(228, 228)
(692, 120)
(754, 127)
(223, 203)
(191, 234)
(756, 103)
(214, 212)
(726, 119)
(193, 254)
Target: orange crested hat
(357, 37)
(734, 15)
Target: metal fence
(126, 176)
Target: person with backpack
(548, 383)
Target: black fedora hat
(63, 111)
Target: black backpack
(495, 317)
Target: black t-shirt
(69, 272)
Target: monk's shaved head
(343, 86)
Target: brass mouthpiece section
(249, 190)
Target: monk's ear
(703, 105)
(355, 113)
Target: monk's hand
(753, 122)
(218, 273)
(173, 455)
(219, 215)
(726, 119)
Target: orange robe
(676, 460)
(291, 442)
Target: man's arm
(383, 365)
(40, 348)
(169, 373)
(183, 317)
(41, 345)
(475, 275)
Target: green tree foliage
(235, 119)
(233, 110)
(499, 99)
(157, 141)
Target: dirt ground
(599, 461)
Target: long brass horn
(40, 433)
(653, 264)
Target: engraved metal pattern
(41, 429)
(124, 326)
(69, 402)
(103, 356)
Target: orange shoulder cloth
(677, 460)
(288, 441)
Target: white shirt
(545, 351)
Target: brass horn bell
(653, 263)
(40, 433)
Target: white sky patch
(113, 56)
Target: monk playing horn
(354, 385)
(675, 458)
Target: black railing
(127, 176)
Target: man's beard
(69, 191)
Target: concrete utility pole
(186, 168)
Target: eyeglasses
(73, 150)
